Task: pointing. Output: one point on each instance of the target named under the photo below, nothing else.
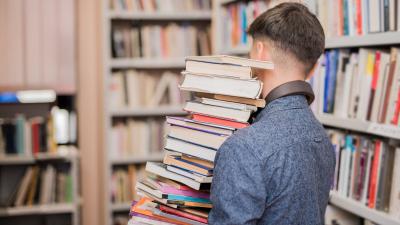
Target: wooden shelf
(39, 209)
(159, 111)
(361, 210)
(60, 90)
(115, 207)
(67, 154)
(137, 159)
(144, 63)
(185, 16)
(377, 39)
(383, 130)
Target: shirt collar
(283, 103)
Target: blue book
(326, 83)
(244, 23)
(187, 199)
(8, 97)
(332, 79)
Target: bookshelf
(361, 210)
(174, 63)
(390, 132)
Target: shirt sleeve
(238, 190)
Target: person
(279, 170)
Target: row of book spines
(364, 171)
(239, 16)
(139, 41)
(22, 136)
(44, 186)
(154, 6)
(133, 89)
(382, 106)
(124, 183)
(137, 138)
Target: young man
(278, 170)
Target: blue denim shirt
(277, 171)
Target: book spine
(374, 175)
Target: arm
(238, 190)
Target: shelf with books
(144, 63)
(361, 210)
(159, 111)
(374, 39)
(115, 207)
(161, 16)
(137, 159)
(383, 130)
(20, 160)
(59, 208)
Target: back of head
(292, 32)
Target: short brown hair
(292, 28)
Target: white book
(216, 111)
(211, 140)
(231, 105)
(185, 122)
(224, 59)
(197, 177)
(61, 124)
(73, 127)
(379, 92)
(133, 86)
(190, 149)
(136, 220)
(374, 16)
(394, 208)
(394, 89)
(160, 170)
(221, 85)
(362, 86)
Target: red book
(182, 214)
(219, 121)
(374, 83)
(35, 138)
(359, 17)
(395, 118)
(374, 175)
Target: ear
(259, 50)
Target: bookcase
(229, 38)
(41, 137)
(145, 44)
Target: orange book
(136, 208)
(218, 121)
(373, 185)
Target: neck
(274, 78)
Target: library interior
(112, 111)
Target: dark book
(9, 133)
(381, 177)
(43, 137)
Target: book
(196, 125)
(197, 136)
(192, 149)
(160, 170)
(219, 121)
(221, 85)
(394, 207)
(260, 103)
(230, 105)
(188, 165)
(190, 174)
(240, 61)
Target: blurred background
(85, 86)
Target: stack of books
(177, 191)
